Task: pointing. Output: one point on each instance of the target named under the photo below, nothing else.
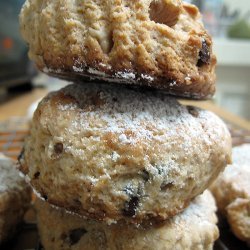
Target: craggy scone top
(114, 153)
(160, 43)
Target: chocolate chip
(204, 55)
(36, 175)
(75, 235)
(58, 148)
(115, 99)
(21, 155)
(131, 206)
(166, 185)
(193, 111)
(45, 197)
(145, 175)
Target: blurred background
(15, 68)
(227, 20)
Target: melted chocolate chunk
(131, 206)
(36, 175)
(145, 175)
(58, 148)
(204, 55)
(45, 197)
(75, 235)
(192, 111)
(20, 156)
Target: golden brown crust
(122, 41)
(195, 228)
(114, 153)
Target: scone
(232, 193)
(195, 228)
(113, 153)
(15, 196)
(155, 43)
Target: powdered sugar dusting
(123, 138)
(241, 155)
(147, 77)
(199, 211)
(134, 115)
(125, 75)
(96, 72)
(47, 70)
(115, 156)
(105, 65)
(77, 69)
(172, 84)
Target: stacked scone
(123, 167)
(15, 197)
(232, 193)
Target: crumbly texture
(238, 215)
(112, 153)
(232, 193)
(15, 196)
(156, 43)
(195, 228)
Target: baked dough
(195, 228)
(155, 43)
(113, 153)
(232, 192)
(15, 196)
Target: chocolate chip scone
(232, 193)
(114, 153)
(155, 43)
(15, 196)
(195, 228)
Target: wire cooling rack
(12, 135)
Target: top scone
(160, 43)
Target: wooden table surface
(18, 106)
